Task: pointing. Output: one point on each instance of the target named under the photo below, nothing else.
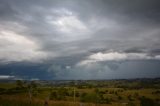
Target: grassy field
(83, 93)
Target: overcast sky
(79, 39)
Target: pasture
(139, 92)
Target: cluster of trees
(62, 92)
(144, 101)
(21, 87)
(59, 94)
(23, 84)
(95, 97)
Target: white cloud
(107, 56)
(6, 77)
(14, 47)
(116, 56)
(68, 25)
(34, 79)
(157, 57)
(62, 11)
(68, 67)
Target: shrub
(130, 98)
(88, 97)
(119, 97)
(147, 102)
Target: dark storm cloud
(61, 35)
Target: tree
(33, 84)
(53, 95)
(19, 84)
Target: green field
(144, 92)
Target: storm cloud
(72, 39)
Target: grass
(115, 95)
(7, 85)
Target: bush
(88, 97)
(119, 97)
(107, 100)
(131, 104)
(136, 94)
(56, 96)
(147, 102)
(77, 94)
(130, 98)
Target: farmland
(133, 92)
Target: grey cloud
(130, 69)
(67, 32)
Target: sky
(79, 39)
